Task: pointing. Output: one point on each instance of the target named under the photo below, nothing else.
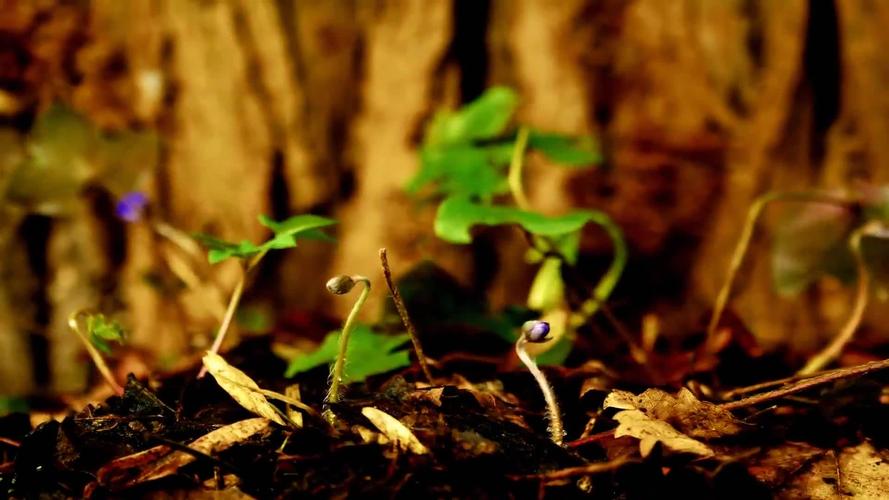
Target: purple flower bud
(535, 331)
(131, 206)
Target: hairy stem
(233, 303)
(515, 169)
(405, 319)
(557, 432)
(737, 259)
(833, 350)
(98, 360)
(336, 374)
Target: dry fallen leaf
(650, 431)
(393, 429)
(292, 392)
(697, 419)
(158, 462)
(241, 387)
(859, 472)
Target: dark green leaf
(811, 242)
(456, 216)
(368, 354)
(483, 118)
(571, 151)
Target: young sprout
(341, 285)
(101, 330)
(536, 332)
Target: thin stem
(98, 360)
(515, 169)
(232, 307)
(835, 348)
(612, 275)
(557, 432)
(827, 377)
(737, 259)
(336, 375)
(402, 311)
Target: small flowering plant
(131, 206)
(472, 157)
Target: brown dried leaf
(393, 429)
(649, 431)
(240, 387)
(292, 392)
(859, 472)
(697, 419)
(157, 462)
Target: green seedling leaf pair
(285, 235)
(102, 330)
(368, 353)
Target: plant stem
(737, 259)
(833, 350)
(827, 377)
(336, 374)
(515, 169)
(232, 307)
(556, 431)
(402, 312)
(612, 275)
(98, 360)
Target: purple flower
(131, 206)
(535, 331)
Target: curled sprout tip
(340, 285)
(535, 331)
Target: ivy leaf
(368, 354)
(570, 151)
(483, 118)
(462, 170)
(456, 216)
(102, 331)
(812, 242)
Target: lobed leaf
(368, 354)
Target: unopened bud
(340, 285)
(535, 331)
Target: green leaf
(547, 289)
(811, 242)
(461, 170)
(557, 354)
(102, 331)
(566, 150)
(368, 354)
(483, 118)
(456, 216)
(296, 225)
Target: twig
(10, 442)
(833, 350)
(402, 311)
(826, 378)
(593, 438)
(583, 470)
(737, 259)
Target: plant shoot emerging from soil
(536, 332)
(98, 332)
(342, 285)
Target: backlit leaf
(566, 150)
(483, 118)
(240, 387)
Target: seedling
(470, 158)
(99, 331)
(825, 240)
(537, 332)
(286, 234)
(341, 285)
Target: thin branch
(405, 319)
(583, 470)
(737, 259)
(826, 378)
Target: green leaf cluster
(368, 353)
(102, 331)
(284, 235)
(466, 152)
(47, 170)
